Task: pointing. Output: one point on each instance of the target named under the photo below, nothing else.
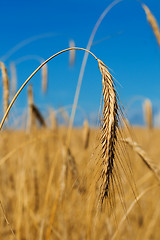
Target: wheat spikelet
(86, 133)
(5, 80)
(13, 78)
(147, 107)
(72, 53)
(152, 21)
(109, 127)
(143, 155)
(44, 78)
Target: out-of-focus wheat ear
(72, 53)
(147, 108)
(5, 81)
(44, 78)
(152, 21)
(31, 119)
(71, 166)
(53, 120)
(109, 126)
(86, 134)
(38, 115)
(144, 156)
(13, 79)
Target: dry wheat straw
(109, 129)
(147, 107)
(5, 80)
(143, 155)
(72, 53)
(152, 21)
(86, 134)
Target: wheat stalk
(5, 80)
(152, 21)
(147, 107)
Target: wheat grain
(152, 21)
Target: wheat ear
(152, 21)
(143, 155)
(109, 125)
(5, 80)
(86, 134)
(147, 107)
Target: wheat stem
(28, 79)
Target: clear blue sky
(124, 42)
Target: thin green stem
(28, 79)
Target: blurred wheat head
(147, 108)
(5, 81)
(152, 21)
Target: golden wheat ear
(5, 80)
(147, 108)
(152, 21)
(109, 126)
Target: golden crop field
(49, 193)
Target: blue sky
(124, 42)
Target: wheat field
(47, 193)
